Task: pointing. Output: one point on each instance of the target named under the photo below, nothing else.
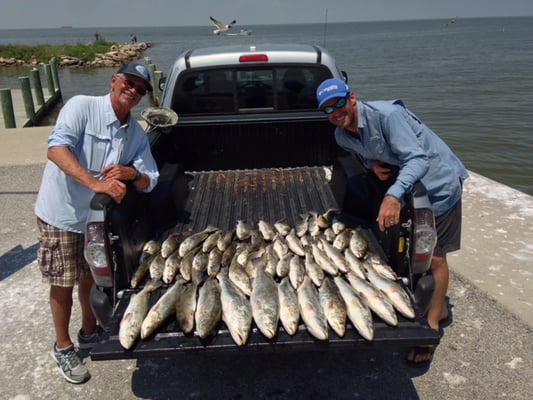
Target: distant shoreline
(116, 55)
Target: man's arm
(65, 160)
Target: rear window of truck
(258, 89)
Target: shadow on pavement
(316, 375)
(15, 259)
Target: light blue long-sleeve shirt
(389, 132)
(88, 126)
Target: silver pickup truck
(250, 146)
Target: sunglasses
(132, 85)
(339, 104)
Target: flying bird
(220, 26)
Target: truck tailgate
(220, 198)
(170, 341)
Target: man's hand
(389, 212)
(119, 172)
(112, 187)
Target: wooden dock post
(37, 86)
(157, 90)
(7, 108)
(49, 79)
(151, 69)
(55, 74)
(27, 97)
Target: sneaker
(87, 342)
(70, 365)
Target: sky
(21, 14)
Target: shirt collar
(110, 116)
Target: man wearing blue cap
(390, 138)
(95, 147)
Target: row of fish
(271, 275)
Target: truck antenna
(325, 27)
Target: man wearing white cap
(95, 147)
(399, 148)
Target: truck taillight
(425, 238)
(96, 254)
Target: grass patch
(45, 52)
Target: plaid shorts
(60, 255)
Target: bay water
(469, 79)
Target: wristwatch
(138, 176)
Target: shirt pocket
(49, 257)
(95, 148)
(376, 147)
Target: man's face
(340, 111)
(127, 90)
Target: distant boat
(221, 27)
(66, 27)
(242, 32)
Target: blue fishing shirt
(389, 132)
(88, 126)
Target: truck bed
(220, 198)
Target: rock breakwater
(117, 55)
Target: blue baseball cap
(331, 89)
(138, 70)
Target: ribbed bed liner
(220, 198)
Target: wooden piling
(37, 86)
(49, 79)
(151, 70)
(157, 89)
(7, 108)
(27, 97)
(55, 74)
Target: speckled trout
(265, 301)
(356, 309)
(130, 325)
(161, 310)
(236, 309)
(289, 312)
(333, 305)
(311, 311)
(208, 308)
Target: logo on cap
(141, 70)
(328, 89)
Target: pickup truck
(250, 145)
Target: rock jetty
(117, 55)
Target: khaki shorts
(448, 228)
(60, 255)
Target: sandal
(421, 356)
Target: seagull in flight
(220, 26)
